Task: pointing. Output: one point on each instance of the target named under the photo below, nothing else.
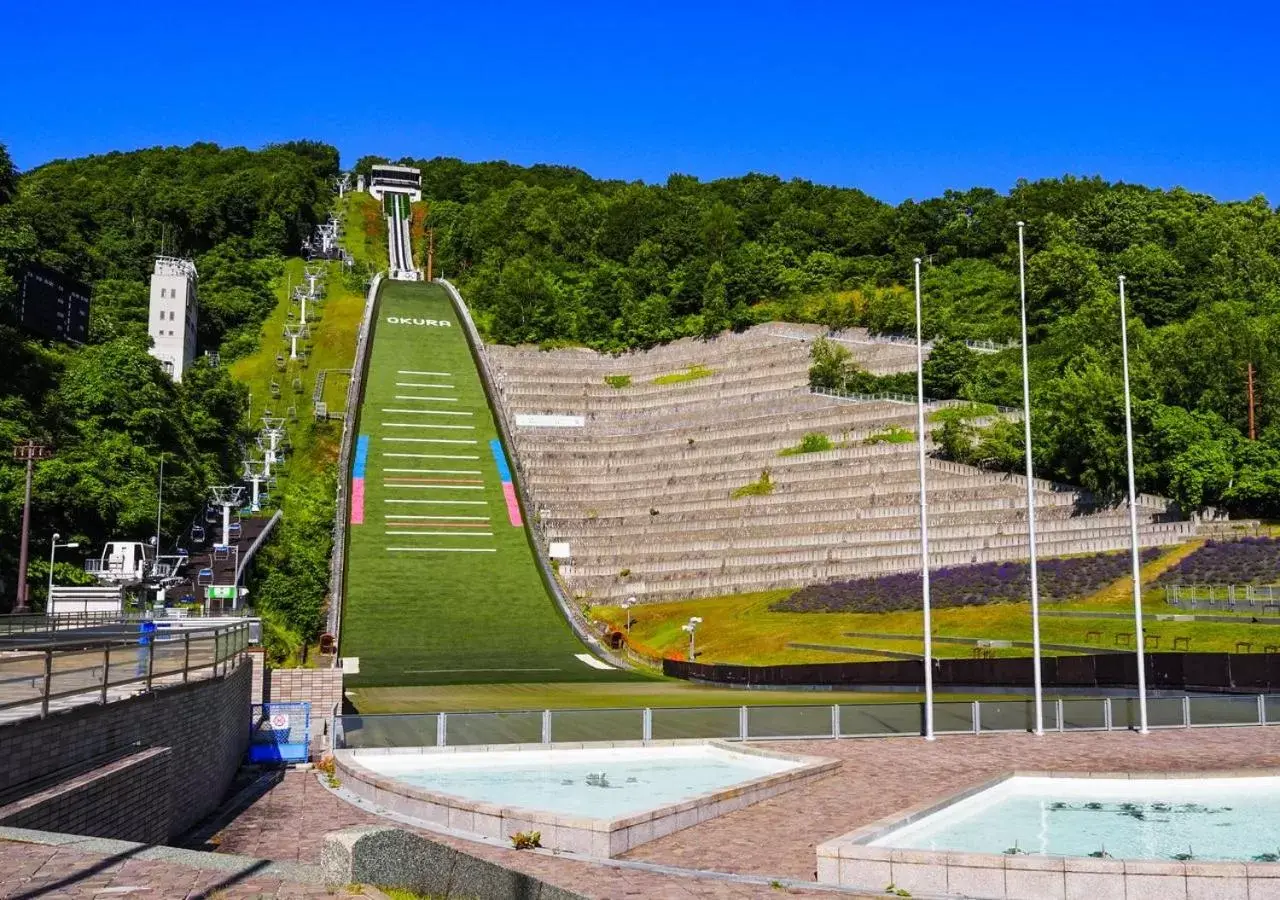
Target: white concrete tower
(171, 321)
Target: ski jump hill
(442, 584)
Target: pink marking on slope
(513, 505)
(357, 501)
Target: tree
(715, 302)
(948, 369)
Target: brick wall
(128, 799)
(322, 688)
(205, 725)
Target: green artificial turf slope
(442, 617)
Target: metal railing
(762, 723)
(91, 666)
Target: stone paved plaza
(773, 839)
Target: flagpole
(924, 518)
(1133, 521)
(1031, 498)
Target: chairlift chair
(234, 531)
(280, 363)
(292, 413)
(303, 359)
(211, 515)
(197, 534)
(204, 577)
(275, 389)
(221, 551)
(297, 385)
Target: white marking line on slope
(438, 471)
(426, 425)
(411, 372)
(428, 456)
(437, 487)
(391, 440)
(433, 399)
(447, 387)
(444, 533)
(444, 502)
(592, 661)
(432, 412)
(446, 518)
(443, 549)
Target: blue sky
(901, 100)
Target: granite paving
(777, 837)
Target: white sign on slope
(533, 420)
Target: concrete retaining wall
(204, 725)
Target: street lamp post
(691, 627)
(53, 550)
(627, 604)
(1031, 499)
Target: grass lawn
(366, 229)
(442, 587)
(602, 695)
(333, 343)
(742, 628)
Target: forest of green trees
(106, 409)
(549, 255)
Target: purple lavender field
(1060, 579)
(1254, 560)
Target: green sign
(221, 592)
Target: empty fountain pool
(594, 800)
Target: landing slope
(442, 585)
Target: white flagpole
(1031, 498)
(924, 518)
(1133, 521)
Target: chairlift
(233, 531)
(211, 515)
(197, 534)
(292, 412)
(303, 359)
(280, 363)
(221, 551)
(297, 385)
(204, 577)
(275, 389)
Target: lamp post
(1031, 499)
(692, 626)
(627, 604)
(924, 518)
(53, 549)
(1133, 521)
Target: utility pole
(431, 254)
(1253, 435)
(28, 451)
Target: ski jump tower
(397, 187)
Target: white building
(171, 321)
(386, 179)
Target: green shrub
(894, 434)
(618, 381)
(760, 488)
(813, 442)
(692, 373)
(963, 413)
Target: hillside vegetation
(106, 409)
(548, 254)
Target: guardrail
(355, 393)
(90, 666)
(816, 722)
